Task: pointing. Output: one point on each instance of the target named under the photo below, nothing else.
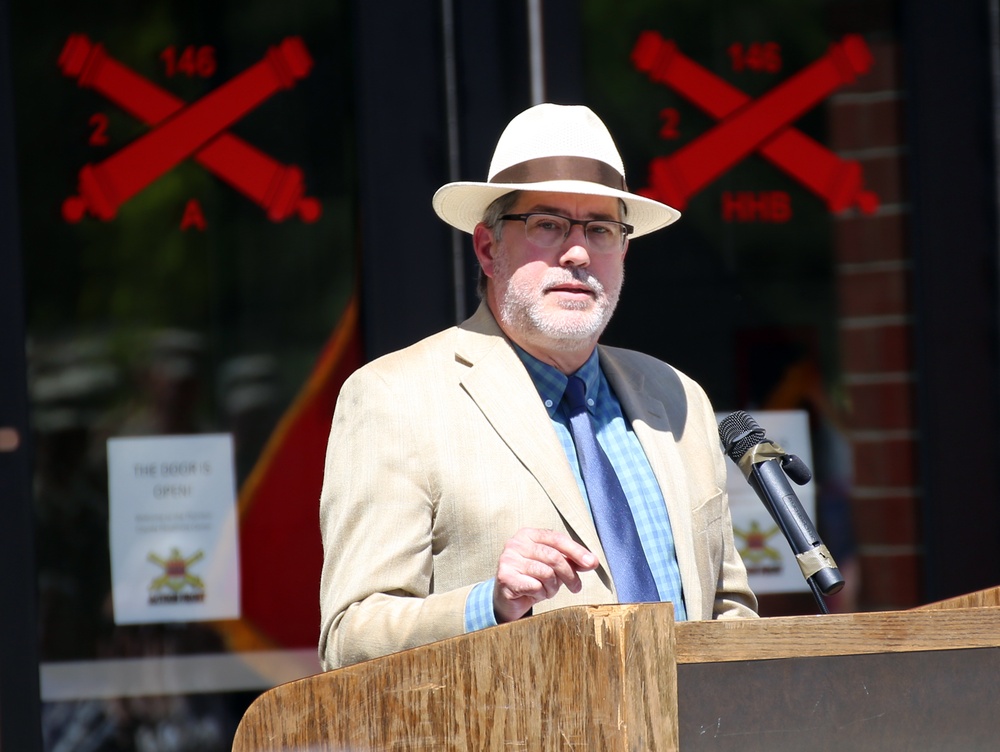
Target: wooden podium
(629, 678)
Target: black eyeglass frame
(629, 229)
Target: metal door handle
(10, 439)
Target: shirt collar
(551, 382)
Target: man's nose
(574, 248)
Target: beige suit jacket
(442, 451)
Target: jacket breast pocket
(708, 518)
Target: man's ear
(484, 244)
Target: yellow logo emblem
(758, 556)
(179, 584)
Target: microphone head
(738, 433)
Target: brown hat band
(562, 168)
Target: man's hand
(533, 566)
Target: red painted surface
(747, 126)
(282, 552)
(181, 131)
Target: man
(464, 486)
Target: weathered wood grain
(837, 634)
(598, 678)
(979, 599)
(606, 678)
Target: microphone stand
(820, 600)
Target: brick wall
(873, 272)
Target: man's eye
(601, 229)
(548, 224)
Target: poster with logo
(768, 558)
(174, 551)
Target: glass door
(187, 217)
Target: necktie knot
(575, 395)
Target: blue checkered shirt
(615, 435)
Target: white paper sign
(173, 529)
(768, 557)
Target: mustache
(577, 274)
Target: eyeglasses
(550, 230)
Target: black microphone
(764, 465)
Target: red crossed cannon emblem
(763, 125)
(181, 130)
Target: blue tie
(612, 515)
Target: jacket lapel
(655, 429)
(498, 383)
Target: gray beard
(523, 311)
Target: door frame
(20, 703)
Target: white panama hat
(558, 149)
